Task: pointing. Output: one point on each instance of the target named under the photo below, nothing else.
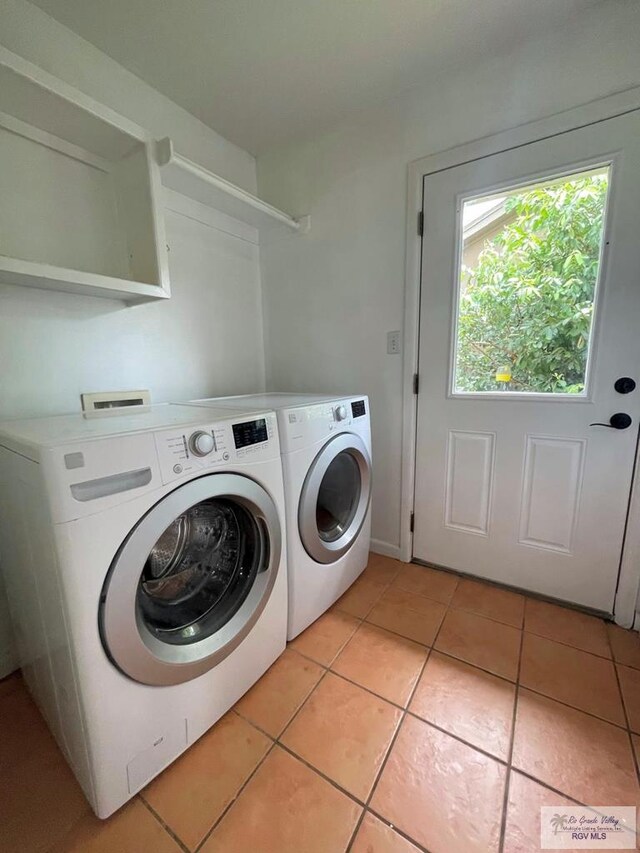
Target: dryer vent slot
(90, 490)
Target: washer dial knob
(341, 413)
(201, 443)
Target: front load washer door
(335, 498)
(191, 579)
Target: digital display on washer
(251, 432)
(357, 409)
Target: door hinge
(416, 383)
(411, 517)
(420, 224)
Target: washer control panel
(190, 450)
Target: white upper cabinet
(80, 192)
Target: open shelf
(190, 179)
(80, 192)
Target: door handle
(621, 420)
(624, 385)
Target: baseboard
(385, 548)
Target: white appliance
(145, 560)
(326, 460)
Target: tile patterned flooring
(424, 712)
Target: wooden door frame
(555, 125)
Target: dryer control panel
(192, 449)
(302, 426)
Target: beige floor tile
(374, 836)
(382, 569)
(326, 636)
(585, 758)
(286, 808)
(586, 681)
(490, 601)
(466, 701)
(444, 795)
(345, 732)
(526, 798)
(383, 662)
(480, 641)
(133, 829)
(274, 699)
(625, 645)
(360, 597)
(566, 626)
(425, 581)
(630, 685)
(414, 616)
(191, 794)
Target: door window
(338, 497)
(200, 571)
(528, 270)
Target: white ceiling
(264, 72)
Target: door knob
(621, 420)
(624, 385)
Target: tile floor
(424, 712)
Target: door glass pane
(529, 268)
(200, 571)
(338, 497)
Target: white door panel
(518, 487)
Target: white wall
(205, 340)
(330, 297)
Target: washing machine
(326, 461)
(145, 561)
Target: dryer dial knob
(341, 413)
(201, 443)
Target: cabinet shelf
(80, 192)
(190, 179)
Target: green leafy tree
(528, 302)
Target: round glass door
(335, 498)
(200, 571)
(191, 579)
(338, 496)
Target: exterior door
(529, 335)
(191, 579)
(335, 498)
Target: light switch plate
(393, 343)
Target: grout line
(516, 590)
(277, 743)
(622, 726)
(320, 773)
(164, 825)
(390, 748)
(505, 801)
(626, 715)
(396, 829)
(366, 807)
(548, 787)
(230, 804)
(392, 745)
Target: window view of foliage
(528, 302)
